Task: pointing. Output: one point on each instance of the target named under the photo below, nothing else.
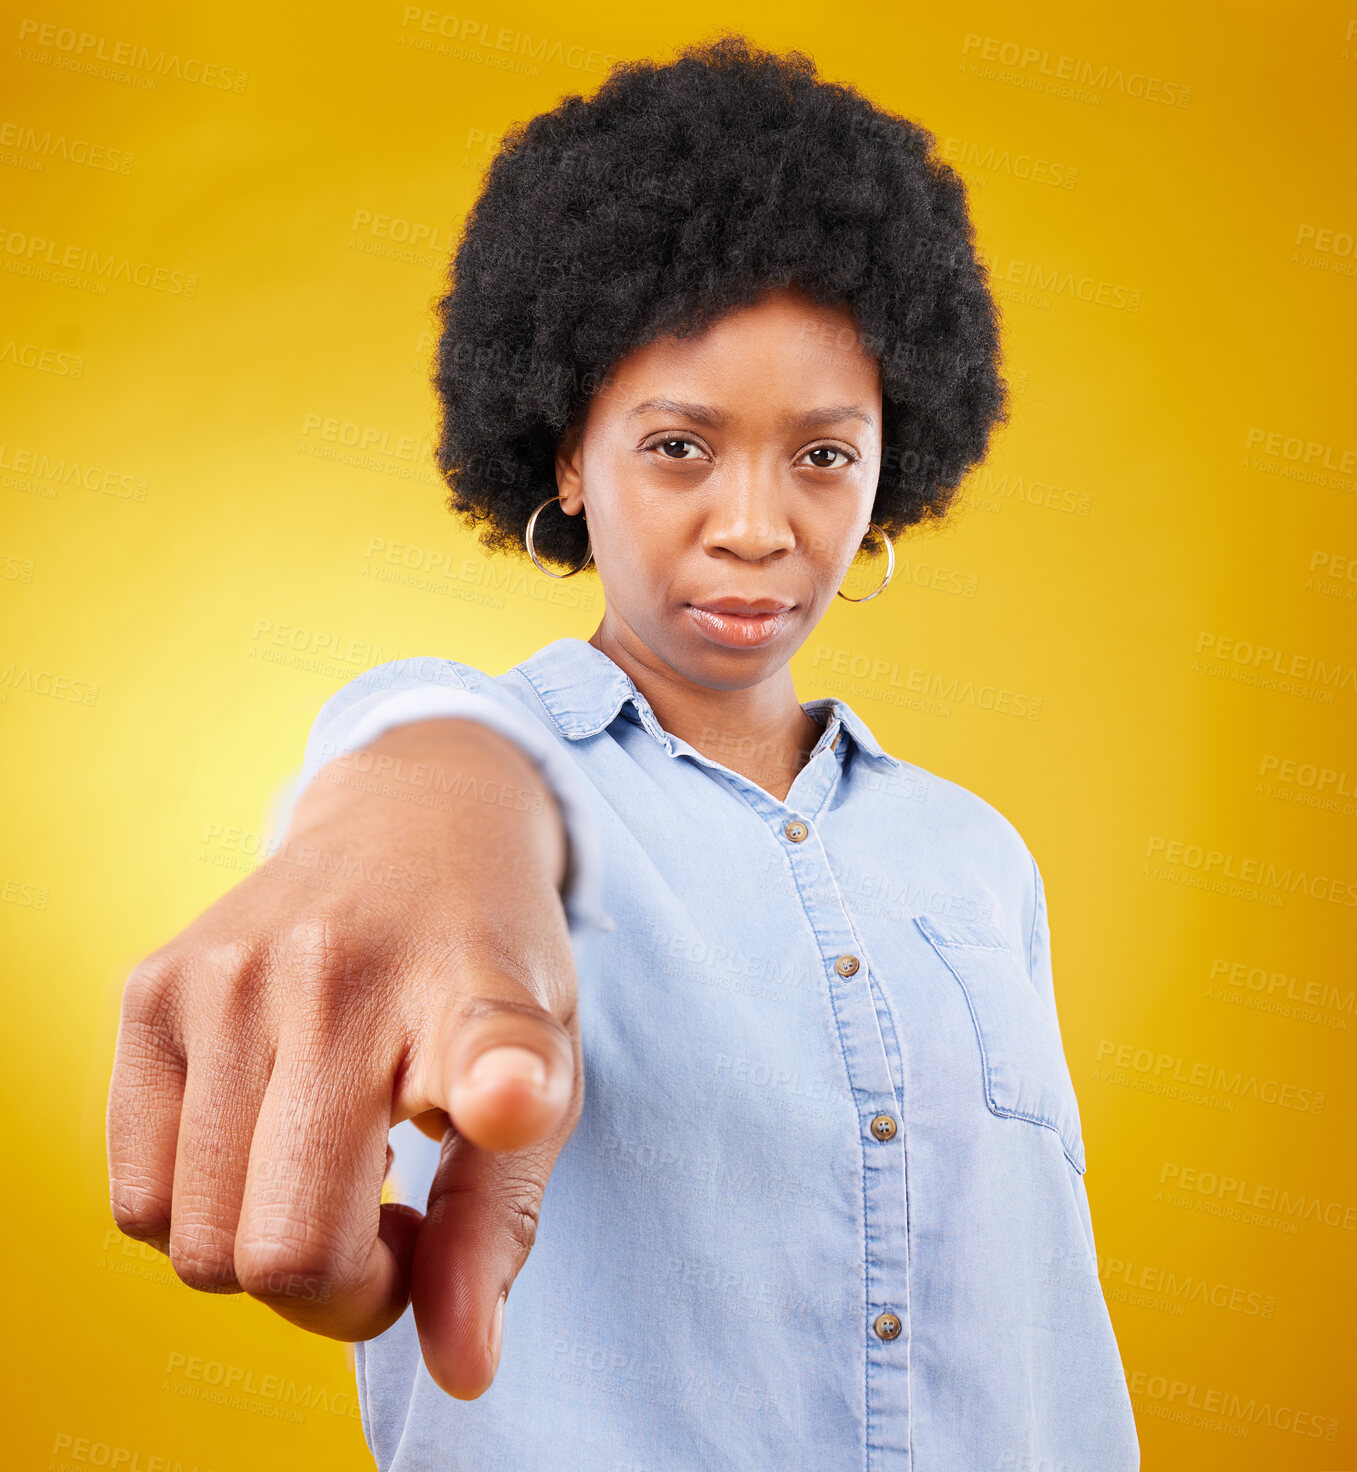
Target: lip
(744, 605)
(740, 623)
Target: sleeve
(1039, 960)
(1039, 943)
(406, 690)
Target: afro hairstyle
(675, 194)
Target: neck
(760, 731)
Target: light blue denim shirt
(825, 1205)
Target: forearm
(439, 790)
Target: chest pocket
(1021, 1059)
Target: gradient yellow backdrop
(222, 233)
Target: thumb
(479, 1227)
(497, 1062)
(509, 1074)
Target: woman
(738, 1033)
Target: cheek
(832, 535)
(627, 552)
(639, 528)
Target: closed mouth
(733, 608)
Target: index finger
(314, 1241)
(500, 1059)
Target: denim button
(883, 1127)
(847, 965)
(796, 831)
(887, 1326)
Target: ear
(570, 469)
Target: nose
(748, 515)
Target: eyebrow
(704, 414)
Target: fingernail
(508, 1061)
(497, 1334)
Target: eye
(668, 444)
(848, 457)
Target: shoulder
(970, 841)
(411, 689)
(412, 673)
(422, 676)
(960, 814)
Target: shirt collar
(583, 691)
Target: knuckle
(202, 1260)
(315, 936)
(231, 961)
(293, 1264)
(138, 1212)
(290, 1279)
(521, 1209)
(501, 1011)
(149, 994)
(317, 956)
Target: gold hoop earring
(527, 539)
(890, 568)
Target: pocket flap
(1022, 1061)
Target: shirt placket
(886, 1324)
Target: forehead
(784, 348)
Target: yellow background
(214, 566)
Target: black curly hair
(673, 195)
